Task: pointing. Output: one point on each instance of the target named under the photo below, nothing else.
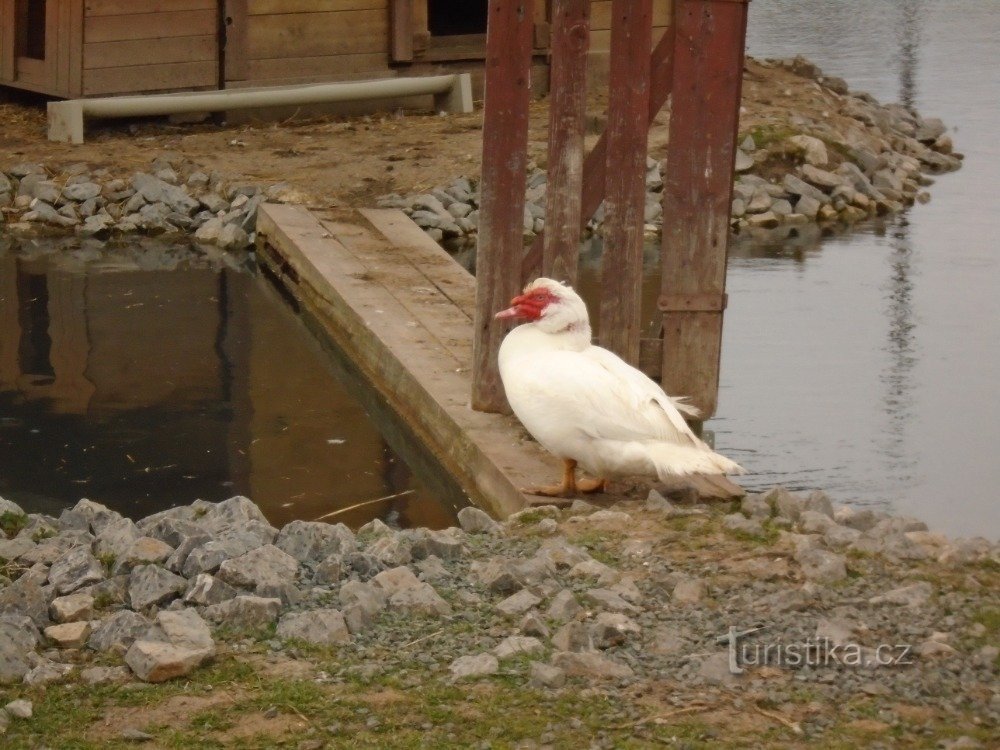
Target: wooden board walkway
(401, 308)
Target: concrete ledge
(452, 93)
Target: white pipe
(452, 92)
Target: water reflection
(146, 388)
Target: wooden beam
(594, 166)
(697, 192)
(235, 53)
(505, 148)
(625, 176)
(401, 30)
(567, 116)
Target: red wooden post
(625, 180)
(697, 193)
(570, 39)
(595, 165)
(509, 34)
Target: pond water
(150, 376)
(866, 364)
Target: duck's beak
(514, 311)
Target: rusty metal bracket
(704, 302)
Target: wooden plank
(75, 62)
(385, 332)
(317, 34)
(235, 52)
(60, 45)
(142, 78)
(697, 189)
(567, 122)
(327, 67)
(149, 52)
(149, 25)
(7, 43)
(132, 7)
(600, 15)
(625, 181)
(501, 209)
(595, 165)
(401, 22)
(269, 7)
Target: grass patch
(767, 135)
(12, 523)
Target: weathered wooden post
(625, 180)
(570, 40)
(509, 37)
(697, 193)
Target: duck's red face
(528, 306)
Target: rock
(265, 570)
(515, 645)
(819, 502)
(155, 190)
(822, 566)
(420, 600)
(564, 606)
(312, 541)
(914, 595)
(744, 162)
(245, 613)
(206, 590)
(785, 504)
(609, 599)
(81, 191)
(590, 664)
(603, 574)
(812, 522)
(497, 574)
(155, 661)
(331, 570)
(391, 549)
(797, 186)
(739, 524)
(755, 506)
(209, 232)
(396, 579)
(151, 584)
(820, 177)
(812, 149)
(612, 629)
(840, 537)
(208, 556)
(932, 648)
(104, 675)
(17, 641)
(532, 624)
(232, 237)
(116, 537)
(476, 521)
(715, 670)
(541, 675)
(473, 666)
(689, 591)
(78, 606)
(517, 604)
(117, 632)
(143, 551)
(573, 636)
(321, 627)
(69, 635)
(75, 569)
(19, 709)
(361, 603)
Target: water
(867, 364)
(148, 377)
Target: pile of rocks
(172, 199)
(790, 173)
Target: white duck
(587, 406)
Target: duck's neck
(574, 336)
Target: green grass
(11, 523)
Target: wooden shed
(84, 48)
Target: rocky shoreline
(872, 160)
(603, 601)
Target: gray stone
(104, 675)
(421, 600)
(178, 558)
(797, 186)
(573, 636)
(245, 612)
(208, 557)
(98, 516)
(205, 590)
(590, 664)
(78, 606)
(155, 190)
(714, 670)
(19, 709)
(116, 537)
(209, 231)
(232, 237)
(82, 191)
(263, 570)
(472, 666)
(517, 604)
(476, 521)
(740, 524)
(331, 570)
(785, 504)
(151, 584)
(361, 603)
(499, 575)
(75, 569)
(68, 634)
(516, 645)
(391, 549)
(610, 600)
(612, 629)
(689, 591)
(755, 506)
(820, 177)
(913, 595)
(603, 574)
(541, 675)
(813, 522)
(312, 541)
(322, 627)
(143, 551)
(396, 579)
(155, 661)
(18, 639)
(822, 566)
(214, 202)
(564, 606)
(183, 627)
(812, 149)
(117, 632)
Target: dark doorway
(456, 17)
(31, 29)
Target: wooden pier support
(697, 193)
(509, 41)
(625, 181)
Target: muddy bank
(616, 623)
